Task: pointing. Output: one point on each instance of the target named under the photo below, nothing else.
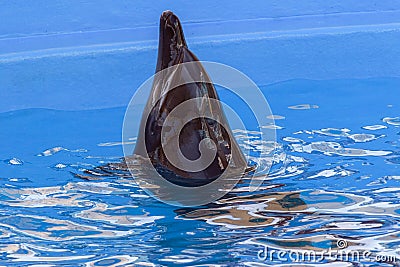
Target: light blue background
(94, 54)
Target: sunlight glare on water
(335, 175)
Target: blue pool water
(335, 176)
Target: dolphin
(173, 51)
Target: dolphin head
(156, 136)
(171, 40)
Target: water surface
(335, 177)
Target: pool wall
(74, 55)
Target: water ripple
(331, 178)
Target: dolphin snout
(166, 14)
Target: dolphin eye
(210, 122)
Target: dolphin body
(173, 50)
